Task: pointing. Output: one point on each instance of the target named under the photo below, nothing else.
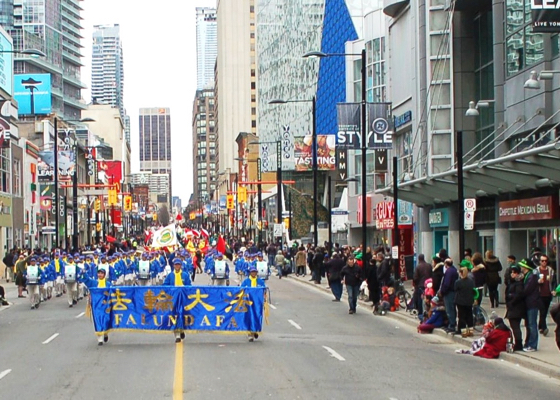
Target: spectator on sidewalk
(555, 314)
(352, 276)
(479, 274)
(493, 279)
(447, 292)
(3, 301)
(317, 264)
(496, 341)
(515, 303)
(8, 260)
(547, 284)
(531, 296)
(507, 274)
(437, 273)
(422, 272)
(436, 317)
(464, 299)
(384, 271)
(279, 262)
(334, 268)
(300, 260)
(372, 282)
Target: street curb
(521, 359)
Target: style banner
(169, 308)
(326, 157)
(545, 15)
(379, 123)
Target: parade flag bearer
(253, 281)
(100, 282)
(178, 277)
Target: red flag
(204, 233)
(221, 245)
(111, 239)
(179, 217)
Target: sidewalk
(545, 361)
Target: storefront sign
(384, 215)
(537, 208)
(403, 119)
(438, 218)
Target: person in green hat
(531, 295)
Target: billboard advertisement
(33, 93)
(6, 62)
(380, 126)
(111, 169)
(545, 15)
(66, 164)
(326, 153)
(45, 166)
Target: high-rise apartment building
(155, 144)
(107, 69)
(53, 27)
(236, 77)
(206, 46)
(205, 141)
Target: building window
(5, 176)
(523, 47)
(370, 173)
(17, 177)
(375, 84)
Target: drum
(70, 273)
(32, 274)
(220, 269)
(262, 269)
(144, 270)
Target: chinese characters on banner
(166, 308)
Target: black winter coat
(464, 292)
(493, 268)
(437, 277)
(515, 302)
(352, 275)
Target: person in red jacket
(496, 341)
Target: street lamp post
(363, 129)
(259, 195)
(313, 102)
(460, 194)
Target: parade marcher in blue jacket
(219, 271)
(34, 277)
(58, 265)
(253, 281)
(178, 277)
(100, 282)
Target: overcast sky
(159, 45)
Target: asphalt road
(312, 349)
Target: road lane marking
(294, 324)
(4, 373)
(334, 353)
(272, 306)
(80, 315)
(51, 338)
(178, 376)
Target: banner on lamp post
(379, 125)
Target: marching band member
(144, 270)
(45, 288)
(34, 275)
(219, 271)
(240, 266)
(178, 277)
(70, 271)
(81, 267)
(129, 267)
(100, 282)
(58, 265)
(104, 265)
(253, 281)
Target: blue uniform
(170, 279)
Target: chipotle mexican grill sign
(537, 208)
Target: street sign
(469, 220)
(48, 230)
(470, 205)
(278, 230)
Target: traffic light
(230, 203)
(98, 227)
(112, 198)
(242, 194)
(97, 205)
(287, 223)
(128, 203)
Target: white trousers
(72, 292)
(33, 293)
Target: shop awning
(529, 169)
